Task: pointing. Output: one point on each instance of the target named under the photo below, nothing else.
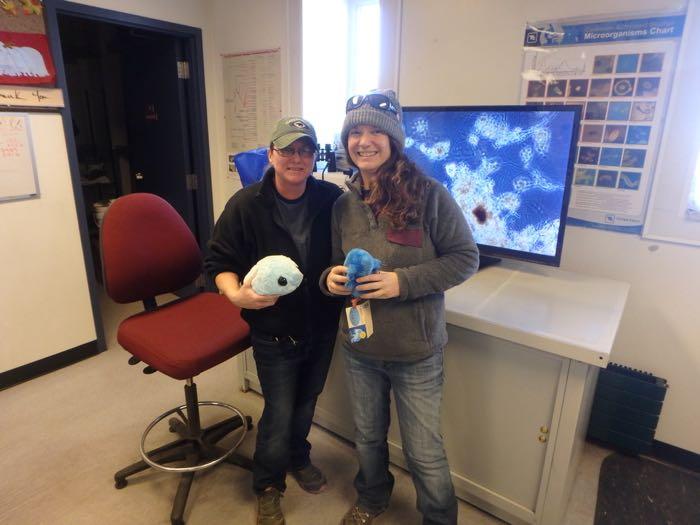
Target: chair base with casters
(196, 446)
(148, 250)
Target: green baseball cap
(289, 129)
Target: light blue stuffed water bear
(274, 275)
(359, 263)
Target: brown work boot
(310, 478)
(269, 510)
(358, 516)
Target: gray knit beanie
(389, 122)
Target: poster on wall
(619, 72)
(18, 178)
(25, 58)
(252, 98)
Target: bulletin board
(620, 72)
(18, 177)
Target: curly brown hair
(399, 189)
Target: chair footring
(203, 440)
(191, 451)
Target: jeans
(292, 374)
(418, 393)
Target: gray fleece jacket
(428, 258)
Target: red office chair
(147, 250)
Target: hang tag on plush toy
(360, 325)
(274, 275)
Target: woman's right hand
(245, 297)
(336, 279)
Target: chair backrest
(251, 165)
(147, 249)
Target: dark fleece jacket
(249, 230)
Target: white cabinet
(520, 369)
(505, 395)
(503, 409)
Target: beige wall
(44, 300)
(470, 53)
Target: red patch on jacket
(413, 237)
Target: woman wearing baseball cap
(287, 213)
(411, 223)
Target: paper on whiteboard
(17, 171)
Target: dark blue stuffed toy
(359, 263)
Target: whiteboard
(18, 178)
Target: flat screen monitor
(508, 167)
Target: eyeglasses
(376, 100)
(304, 153)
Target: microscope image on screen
(508, 167)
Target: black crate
(626, 408)
(628, 399)
(633, 381)
(624, 413)
(619, 440)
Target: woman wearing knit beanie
(415, 228)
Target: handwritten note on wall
(19, 96)
(17, 170)
(253, 100)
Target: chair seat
(186, 337)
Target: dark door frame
(192, 39)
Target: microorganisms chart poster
(620, 73)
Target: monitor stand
(485, 261)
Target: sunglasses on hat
(376, 100)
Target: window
(343, 46)
(363, 59)
(693, 211)
(673, 213)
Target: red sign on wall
(25, 59)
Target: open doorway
(135, 119)
(129, 116)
